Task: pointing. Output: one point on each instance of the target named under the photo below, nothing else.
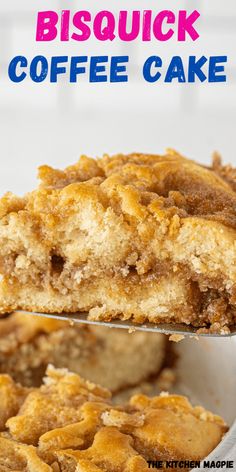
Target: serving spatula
(177, 330)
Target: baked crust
(139, 236)
(115, 358)
(70, 424)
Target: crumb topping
(69, 424)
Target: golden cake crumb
(176, 338)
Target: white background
(54, 124)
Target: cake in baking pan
(144, 237)
(69, 424)
(116, 359)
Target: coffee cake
(114, 358)
(69, 424)
(141, 237)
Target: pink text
(127, 26)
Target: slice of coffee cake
(147, 237)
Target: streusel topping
(69, 424)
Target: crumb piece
(131, 330)
(176, 338)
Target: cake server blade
(163, 328)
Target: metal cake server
(164, 328)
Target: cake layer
(114, 358)
(70, 424)
(139, 236)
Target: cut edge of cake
(141, 237)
